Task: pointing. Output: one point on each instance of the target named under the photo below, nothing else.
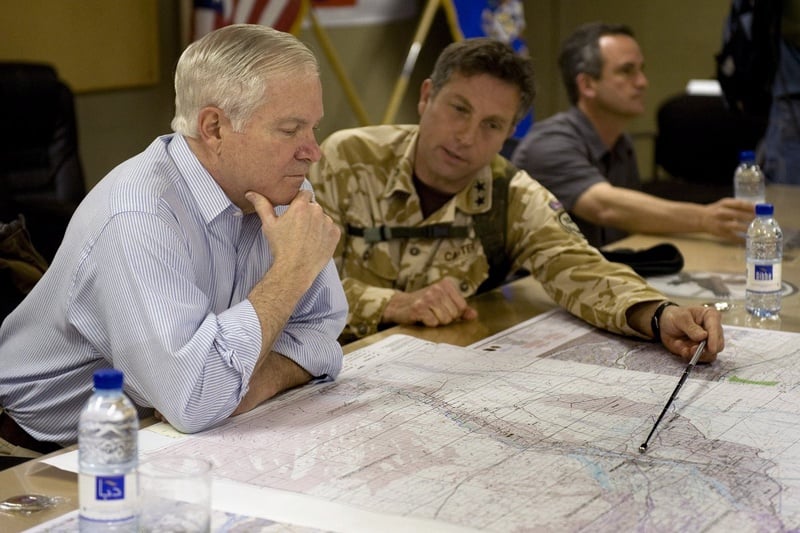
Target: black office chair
(697, 145)
(40, 168)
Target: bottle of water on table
(108, 457)
(748, 179)
(764, 256)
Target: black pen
(686, 371)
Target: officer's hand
(682, 329)
(436, 305)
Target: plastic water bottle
(107, 457)
(748, 179)
(764, 255)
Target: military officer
(431, 214)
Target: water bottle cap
(108, 379)
(747, 156)
(764, 209)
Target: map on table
(537, 428)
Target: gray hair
(229, 68)
(580, 53)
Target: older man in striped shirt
(201, 267)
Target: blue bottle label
(763, 277)
(763, 272)
(108, 498)
(110, 488)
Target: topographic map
(536, 429)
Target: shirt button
(365, 256)
(414, 251)
(464, 286)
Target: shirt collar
(597, 147)
(477, 196)
(209, 196)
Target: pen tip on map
(643, 448)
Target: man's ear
(209, 121)
(586, 85)
(425, 95)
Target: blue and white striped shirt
(152, 278)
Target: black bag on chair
(659, 260)
(21, 266)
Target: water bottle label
(107, 498)
(763, 277)
(109, 487)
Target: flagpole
(411, 59)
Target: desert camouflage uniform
(364, 179)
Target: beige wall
(96, 44)
(679, 39)
(114, 125)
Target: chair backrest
(40, 166)
(699, 139)
(39, 152)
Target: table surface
(498, 310)
(704, 253)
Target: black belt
(11, 432)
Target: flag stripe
(212, 14)
(288, 17)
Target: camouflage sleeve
(545, 241)
(366, 306)
(331, 178)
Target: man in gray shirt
(587, 160)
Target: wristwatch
(655, 322)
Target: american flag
(284, 15)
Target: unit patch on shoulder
(563, 218)
(567, 223)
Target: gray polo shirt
(565, 154)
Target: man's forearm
(636, 212)
(640, 316)
(273, 299)
(273, 374)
